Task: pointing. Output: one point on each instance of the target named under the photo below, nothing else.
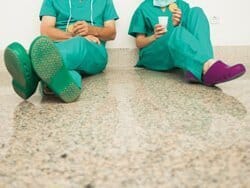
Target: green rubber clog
(19, 66)
(48, 64)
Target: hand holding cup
(161, 28)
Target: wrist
(93, 31)
(153, 37)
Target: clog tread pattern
(48, 64)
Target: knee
(97, 64)
(197, 10)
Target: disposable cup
(163, 20)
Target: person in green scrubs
(74, 33)
(184, 43)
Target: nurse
(184, 43)
(74, 33)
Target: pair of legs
(189, 47)
(58, 65)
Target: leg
(48, 64)
(81, 55)
(214, 71)
(190, 45)
(156, 56)
(198, 25)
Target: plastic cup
(163, 20)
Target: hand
(177, 15)
(159, 30)
(92, 38)
(81, 28)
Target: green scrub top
(146, 17)
(103, 10)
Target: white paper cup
(163, 20)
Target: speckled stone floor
(131, 128)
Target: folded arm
(105, 33)
(80, 28)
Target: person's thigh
(82, 55)
(156, 56)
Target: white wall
(19, 21)
(234, 26)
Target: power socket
(215, 20)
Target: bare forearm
(103, 33)
(56, 34)
(142, 42)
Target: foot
(189, 77)
(220, 72)
(49, 66)
(208, 64)
(19, 66)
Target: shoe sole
(48, 65)
(18, 64)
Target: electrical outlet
(215, 20)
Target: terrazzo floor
(131, 128)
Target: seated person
(73, 40)
(184, 44)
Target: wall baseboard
(231, 54)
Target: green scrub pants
(82, 56)
(186, 46)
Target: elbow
(43, 31)
(112, 36)
(138, 45)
